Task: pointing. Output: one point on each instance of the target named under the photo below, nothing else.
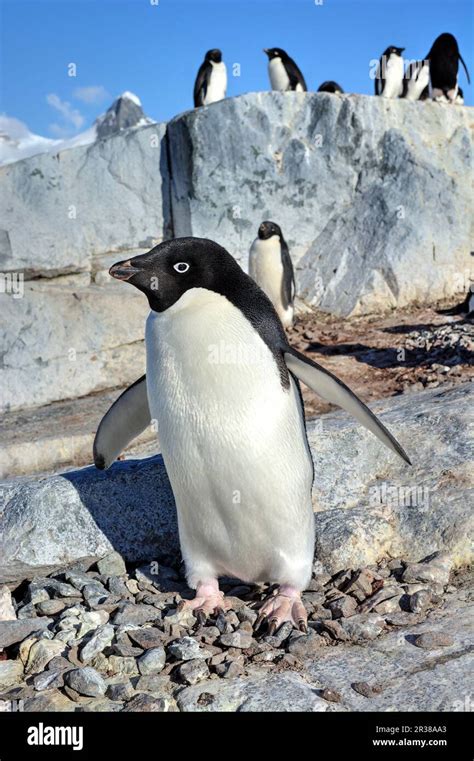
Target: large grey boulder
(372, 194)
(60, 341)
(57, 210)
(368, 503)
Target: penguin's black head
(330, 86)
(275, 53)
(175, 266)
(393, 50)
(214, 55)
(267, 229)
(445, 44)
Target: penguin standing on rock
(389, 74)
(331, 87)
(444, 58)
(271, 267)
(211, 81)
(232, 434)
(283, 72)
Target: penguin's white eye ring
(181, 267)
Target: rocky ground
(402, 352)
(393, 636)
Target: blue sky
(155, 50)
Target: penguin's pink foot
(209, 599)
(283, 606)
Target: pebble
(342, 607)
(360, 585)
(147, 638)
(282, 634)
(363, 626)
(436, 568)
(126, 666)
(230, 669)
(50, 607)
(193, 671)
(433, 640)
(366, 689)
(101, 639)
(112, 564)
(12, 632)
(40, 654)
(128, 613)
(49, 679)
(146, 703)
(120, 691)
(332, 696)
(7, 611)
(11, 673)
(154, 683)
(118, 587)
(240, 639)
(152, 661)
(335, 630)
(303, 645)
(186, 649)
(247, 614)
(86, 681)
(420, 601)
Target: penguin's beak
(265, 50)
(123, 270)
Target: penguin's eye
(181, 267)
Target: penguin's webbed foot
(208, 600)
(283, 606)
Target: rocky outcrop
(57, 210)
(368, 505)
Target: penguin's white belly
(393, 77)
(217, 86)
(266, 268)
(233, 442)
(279, 79)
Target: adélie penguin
(222, 384)
(330, 86)
(444, 58)
(271, 267)
(389, 73)
(283, 72)
(211, 81)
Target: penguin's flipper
(128, 416)
(465, 68)
(333, 390)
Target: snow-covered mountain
(17, 142)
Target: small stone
(385, 593)
(207, 634)
(7, 611)
(147, 638)
(183, 617)
(132, 586)
(332, 696)
(128, 613)
(12, 632)
(91, 620)
(120, 691)
(342, 607)
(95, 593)
(27, 611)
(125, 666)
(419, 601)
(247, 614)
(127, 650)
(77, 578)
(86, 681)
(48, 680)
(61, 589)
(118, 587)
(154, 683)
(320, 614)
(41, 653)
(435, 568)
(303, 645)
(388, 606)
(100, 639)
(152, 661)
(50, 607)
(360, 585)
(147, 703)
(240, 639)
(230, 669)
(433, 640)
(277, 639)
(187, 648)
(112, 564)
(335, 630)
(363, 626)
(193, 671)
(11, 672)
(366, 689)
(58, 663)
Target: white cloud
(15, 128)
(91, 94)
(71, 115)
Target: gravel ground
(111, 638)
